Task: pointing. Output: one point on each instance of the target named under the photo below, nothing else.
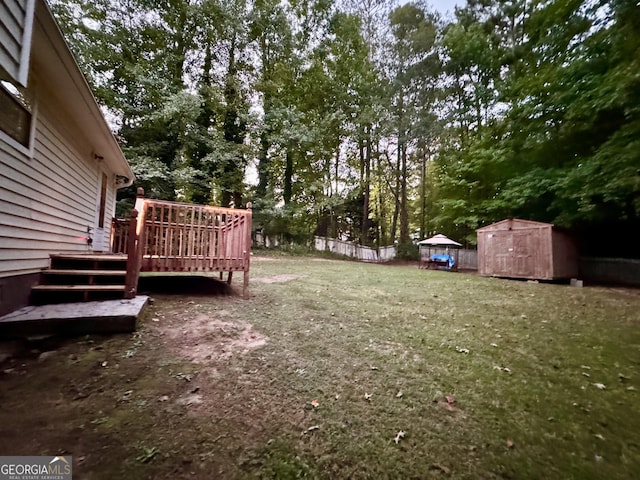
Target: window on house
(15, 113)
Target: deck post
(141, 231)
(131, 280)
(135, 246)
(246, 251)
(139, 199)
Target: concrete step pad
(107, 316)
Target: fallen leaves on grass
(400, 435)
(313, 428)
(448, 402)
(147, 454)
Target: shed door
(523, 254)
(502, 246)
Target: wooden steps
(81, 278)
(100, 257)
(113, 273)
(78, 288)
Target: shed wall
(524, 249)
(517, 253)
(566, 263)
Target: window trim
(8, 139)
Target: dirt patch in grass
(205, 339)
(317, 378)
(260, 258)
(278, 278)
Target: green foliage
(408, 251)
(373, 120)
(556, 141)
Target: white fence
(351, 249)
(261, 240)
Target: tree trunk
(382, 213)
(287, 189)
(396, 209)
(263, 166)
(180, 46)
(263, 155)
(364, 237)
(231, 181)
(404, 208)
(423, 198)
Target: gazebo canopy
(440, 240)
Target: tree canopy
(373, 120)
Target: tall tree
(415, 64)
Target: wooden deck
(162, 236)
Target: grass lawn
(337, 369)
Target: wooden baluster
(167, 241)
(246, 251)
(200, 240)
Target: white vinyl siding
(16, 21)
(47, 201)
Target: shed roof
(440, 239)
(514, 224)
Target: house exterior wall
(53, 162)
(16, 21)
(49, 198)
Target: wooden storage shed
(517, 248)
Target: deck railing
(179, 237)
